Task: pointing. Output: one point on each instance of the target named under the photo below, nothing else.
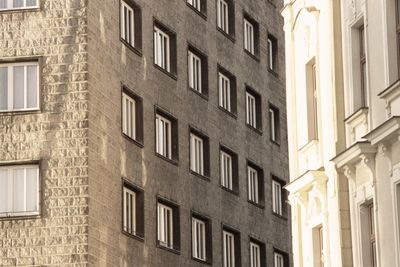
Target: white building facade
(318, 193)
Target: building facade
(371, 160)
(143, 133)
(318, 193)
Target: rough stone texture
(77, 133)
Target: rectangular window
(398, 211)
(279, 260)
(194, 64)
(19, 86)
(255, 255)
(196, 4)
(163, 136)
(248, 36)
(276, 197)
(251, 114)
(372, 240)
(224, 92)
(226, 170)
(196, 154)
(127, 23)
(19, 190)
(272, 53)
(18, 4)
(363, 67)
(228, 249)
(198, 239)
(129, 211)
(165, 225)
(223, 15)
(252, 176)
(274, 124)
(129, 116)
(397, 2)
(312, 100)
(161, 49)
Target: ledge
(352, 154)
(306, 180)
(388, 130)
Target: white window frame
(248, 36)
(276, 197)
(165, 225)
(255, 255)
(198, 239)
(224, 85)
(163, 136)
(129, 210)
(196, 4)
(252, 175)
(226, 170)
(10, 85)
(272, 114)
(228, 249)
(129, 115)
(223, 15)
(11, 212)
(162, 44)
(128, 36)
(251, 110)
(10, 3)
(194, 69)
(196, 154)
(271, 63)
(279, 260)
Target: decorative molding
(385, 151)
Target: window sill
(227, 35)
(170, 74)
(134, 236)
(236, 193)
(20, 217)
(204, 96)
(273, 72)
(233, 115)
(200, 13)
(258, 205)
(132, 48)
(173, 250)
(275, 143)
(172, 161)
(204, 177)
(138, 143)
(202, 261)
(254, 129)
(23, 9)
(19, 112)
(280, 216)
(253, 56)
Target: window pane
(30, 3)
(4, 181)
(32, 189)
(32, 80)
(19, 190)
(19, 87)
(3, 86)
(3, 4)
(18, 3)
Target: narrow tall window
(276, 197)
(198, 239)
(279, 260)
(19, 190)
(163, 136)
(165, 225)
(372, 240)
(255, 255)
(363, 67)
(312, 100)
(228, 249)
(252, 176)
(272, 53)
(196, 154)
(321, 245)
(196, 4)
(248, 36)
(226, 170)
(18, 4)
(162, 49)
(129, 211)
(274, 124)
(19, 86)
(251, 115)
(127, 23)
(398, 209)
(194, 64)
(397, 2)
(128, 116)
(318, 246)
(223, 15)
(224, 85)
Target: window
(279, 260)
(363, 66)
(18, 4)
(227, 90)
(278, 198)
(257, 253)
(372, 240)
(251, 35)
(199, 161)
(274, 124)
(19, 190)
(168, 225)
(253, 109)
(228, 169)
(318, 243)
(397, 205)
(164, 48)
(230, 248)
(397, 2)
(130, 24)
(132, 210)
(201, 238)
(255, 182)
(225, 16)
(198, 5)
(272, 53)
(312, 100)
(197, 71)
(19, 86)
(132, 115)
(166, 135)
